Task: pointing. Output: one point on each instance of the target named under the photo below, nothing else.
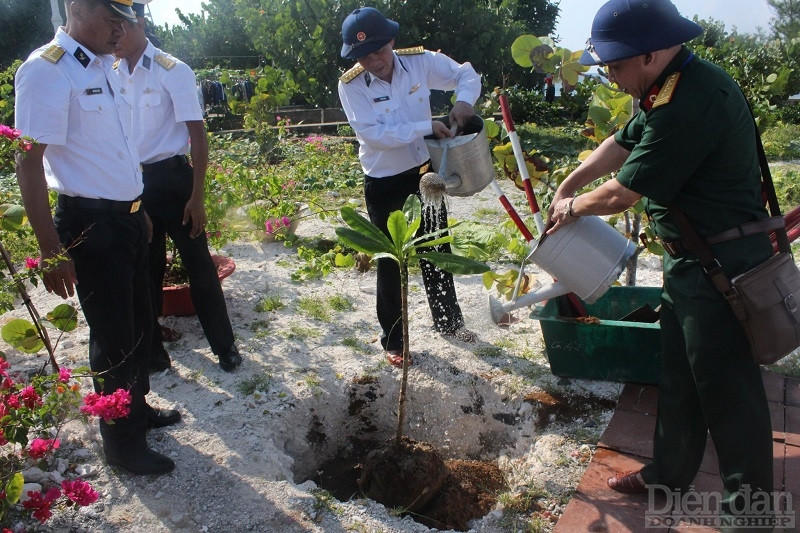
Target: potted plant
(177, 298)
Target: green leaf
(521, 49)
(454, 264)
(344, 260)
(11, 217)
(362, 243)
(435, 242)
(413, 227)
(492, 129)
(22, 335)
(367, 228)
(14, 488)
(64, 317)
(412, 207)
(398, 227)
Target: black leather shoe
(159, 418)
(160, 362)
(139, 460)
(230, 360)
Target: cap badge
(361, 36)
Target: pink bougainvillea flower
(4, 366)
(12, 401)
(268, 226)
(32, 262)
(3, 440)
(286, 221)
(64, 374)
(30, 397)
(79, 492)
(41, 503)
(107, 407)
(9, 132)
(41, 447)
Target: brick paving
(626, 445)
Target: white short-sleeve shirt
(391, 119)
(162, 92)
(74, 106)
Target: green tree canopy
(304, 36)
(214, 38)
(786, 23)
(25, 25)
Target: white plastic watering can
(586, 257)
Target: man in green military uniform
(691, 146)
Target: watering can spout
(499, 310)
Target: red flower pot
(177, 300)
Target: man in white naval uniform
(162, 92)
(386, 98)
(68, 99)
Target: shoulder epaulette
(410, 51)
(665, 94)
(351, 74)
(53, 54)
(164, 61)
(115, 66)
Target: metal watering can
(586, 257)
(464, 162)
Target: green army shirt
(697, 152)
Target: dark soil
(467, 489)
(558, 407)
(405, 474)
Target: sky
(575, 21)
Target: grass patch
(355, 345)
(489, 351)
(301, 333)
(339, 302)
(324, 501)
(257, 382)
(269, 303)
(314, 308)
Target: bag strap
(769, 186)
(711, 267)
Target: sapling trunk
(26, 300)
(401, 409)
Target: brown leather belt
(679, 248)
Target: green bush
(782, 141)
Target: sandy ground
(251, 442)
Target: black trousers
(165, 195)
(109, 250)
(384, 195)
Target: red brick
(792, 392)
(774, 386)
(791, 471)
(792, 425)
(630, 432)
(777, 417)
(584, 514)
(640, 398)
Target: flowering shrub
(31, 416)
(11, 142)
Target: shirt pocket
(419, 103)
(94, 110)
(151, 116)
(384, 109)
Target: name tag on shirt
(94, 90)
(380, 99)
